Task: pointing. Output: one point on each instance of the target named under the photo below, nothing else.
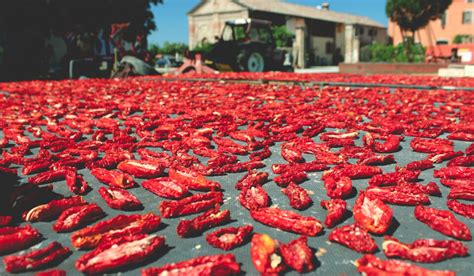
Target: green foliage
(412, 15)
(204, 47)
(282, 37)
(390, 53)
(458, 39)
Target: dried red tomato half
(455, 172)
(190, 205)
(424, 251)
(166, 187)
(114, 254)
(119, 199)
(252, 178)
(265, 255)
(431, 145)
(299, 198)
(230, 237)
(36, 259)
(199, 224)
(298, 255)
(462, 161)
(420, 165)
(53, 209)
(52, 272)
(77, 217)
(371, 265)
(440, 157)
(463, 209)
(372, 213)
(118, 226)
(17, 238)
(442, 221)
(254, 197)
(193, 179)
(393, 178)
(287, 221)
(336, 211)
(142, 168)
(5, 220)
(353, 237)
(337, 187)
(113, 178)
(403, 194)
(223, 265)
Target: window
(372, 32)
(442, 42)
(467, 17)
(329, 47)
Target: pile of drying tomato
(127, 172)
(431, 81)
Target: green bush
(458, 39)
(389, 53)
(282, 37)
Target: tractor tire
(251, 61)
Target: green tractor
(244, 45)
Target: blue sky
(172, 23)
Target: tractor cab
(247, 45)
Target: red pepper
(265, 255)
(118, 226)
(193, 179)
(17, 238)
(252, 178)
(337, 187)
(254, 197)
(424, 251)
(190, 205)
(77, 217)
(120, 199)
(403, 194)
(299, 198)
(53, 209)
(442, 221)
(197, 225)
(353, 237)
(372, 213)
(222, 265)
(142, 168)
(336, 211)
(36, 259)
(298, 255)
(230, 237)
(115, 254)
(166, 187)
(287, 221)
(113, 178)
(466, 210)
(371, 265)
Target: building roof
(282, 7)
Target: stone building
(320, 34)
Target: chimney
(325, 6)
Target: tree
(282, 37)
(412, 15)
